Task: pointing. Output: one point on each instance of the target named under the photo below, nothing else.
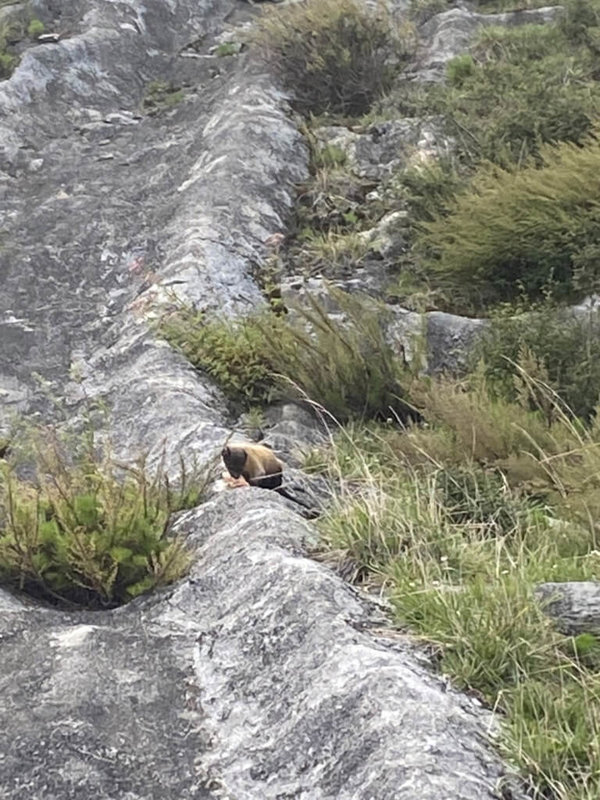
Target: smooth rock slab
(260, 676)
(574, 605)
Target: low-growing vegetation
(348, 370)
(458, 521)
(161, 96)
(81, 530)
(335, 55)
(558, 347)
(516, 88)
(520, 233)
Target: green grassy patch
(346, 368)
(459, 521)
(516, 88)
(161, 96)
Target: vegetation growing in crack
(161, 96)
(348, 369)
(334, 55)
(79, 529)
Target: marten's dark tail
(268, 481)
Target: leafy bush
(565, 346)
(518, 88)
(8, 61)
(86, 531)
(334, 55)
(346, 367)
(516, 234)
(35, 28)
(526, 85)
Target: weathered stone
(575, 605)
(231, 684)
(389, 237)
(257, 677)
(387, 146)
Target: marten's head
(234, 459)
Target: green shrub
(8, 61)
(346, 368)
(580, 21)
(459, 68)
(566, 346)
(86, 531)
(429, 188)
(230, 351)
(35, 28)
(516, 234)
(333, 55)
(518, 88)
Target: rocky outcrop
(387, 146)
(260, 676)
(448, 34)
(575, 606)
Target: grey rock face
(260, 675)
(575, 606)
(234, 684)
(180, 210)
(443, 342)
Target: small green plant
(87, 531)
(330, 254)
(459, 69)
(227, 49)
(518, 233)
(161, 96)
(35, 28)
(8, 61)
(334, 55)
(230, 351)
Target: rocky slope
(261, 675)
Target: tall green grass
(458, 521)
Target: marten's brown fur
(258, 465)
